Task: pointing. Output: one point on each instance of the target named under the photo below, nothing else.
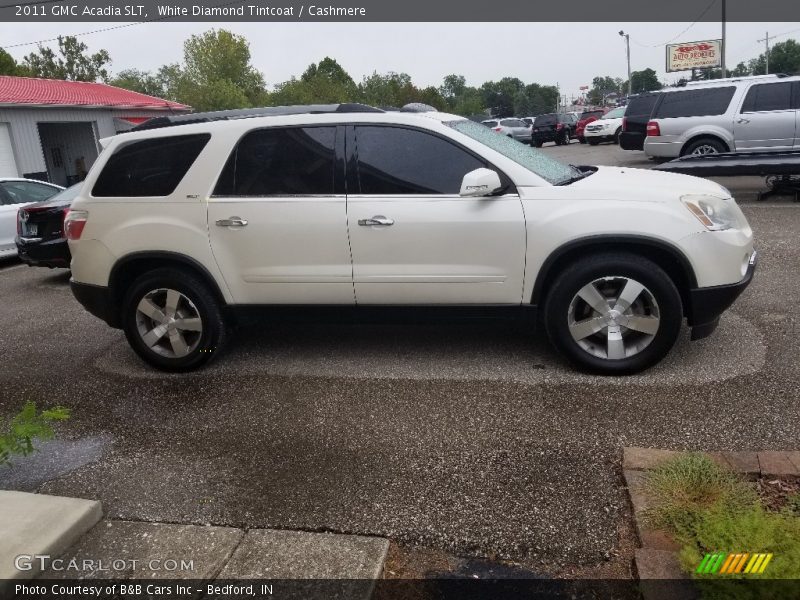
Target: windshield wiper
(574, 178)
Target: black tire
(581, 139)
(713, 146)
(593, 141)
(202, 346)
(616, 136)
(537, 144)
(559, 302)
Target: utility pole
(627, 37)
(766, 54)
(722, 50)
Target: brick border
(657, 559)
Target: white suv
(193, 218)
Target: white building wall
(22, 125)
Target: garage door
(8, 166)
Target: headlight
(717, 214)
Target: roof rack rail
(742, 78)
(249, 113)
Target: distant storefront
(50, 129)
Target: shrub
(25, 427)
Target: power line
(112, 28)
(702, 14)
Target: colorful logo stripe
(722, 563)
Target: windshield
(545, 167)
(617, 113)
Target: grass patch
(707, 508)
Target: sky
(567, 54)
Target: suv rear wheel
(613, 313)
(704, 146)
(172, 320)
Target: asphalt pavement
(472, 438)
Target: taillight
(624, 123)
(497, 129)
(559, 127)
(74, 222)
(653, 129)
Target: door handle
(743, 120)
(232, 222)
(376, 220)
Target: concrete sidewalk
(78, 544)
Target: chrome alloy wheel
(168, 323)
(613, 317)
(705, 149)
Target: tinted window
(546, 120)
(294, 161)
(151, 167)
(512, 123)
(641, 106)
(392, 160)
(490, 123)
(695, 103)
(768, 96)
(591, 113)
(19, 192)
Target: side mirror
(480, 182)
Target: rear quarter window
(152, 167)
(642, 106)
(695, 103)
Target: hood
(644, 185)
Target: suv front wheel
(613, 313)
(172, 320)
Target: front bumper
(708, 303)
(97, 300)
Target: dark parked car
(40, 230)
(584, 119)
(553, 127)
(634, 124)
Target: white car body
(606, 128)
(441, 250)
(9, 206)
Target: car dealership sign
(694, 55)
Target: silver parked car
(745, 114)
(512, 127)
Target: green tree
(784, 57)
(535, 99)
(644, 81)
(216, 73)
(499, 96)
(143, 82)
(8, 66)
(72, 62)
(602, 87)
(388, 89)
(460, 98)
(323, 82)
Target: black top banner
(402, 10)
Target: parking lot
(470, 438)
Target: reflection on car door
(767, 118)
(414, 240)
(277, 218)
